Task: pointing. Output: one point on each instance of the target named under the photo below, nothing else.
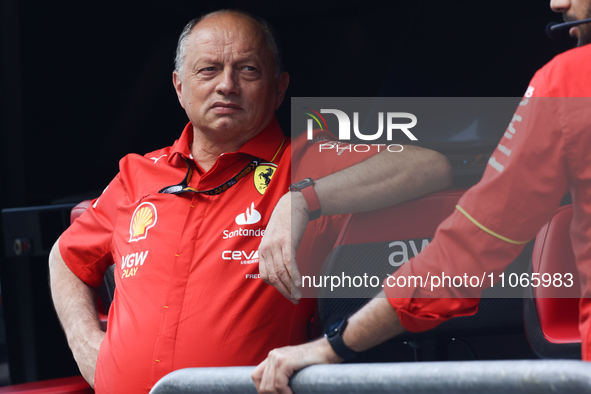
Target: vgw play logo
(345, 124)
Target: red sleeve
(86, 245)
(522, 186)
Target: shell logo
(144, 218)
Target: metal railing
(524, 376)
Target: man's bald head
(226, 80)
(260, 23)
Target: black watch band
(335, 338)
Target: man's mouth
(225, 105)
(222, 108)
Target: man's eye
(249, 68)
(208, 69)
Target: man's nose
(560, 5)
(228, 83)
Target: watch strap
(309, 194)
(335, 339)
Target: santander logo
(251, 216)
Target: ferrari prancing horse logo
(263, 175)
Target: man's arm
(385, 179)
(515, 197)
(74, 303)
(375, 323)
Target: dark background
(86, 82)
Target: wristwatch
(306, 187)
(335, 338)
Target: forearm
(373, 324)
(74, 302)
(385, 179)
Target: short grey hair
(267, 29)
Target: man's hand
(375, 323)
(277, 263)
(272, 375)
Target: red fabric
(71, 385)
(188, 287)
(558, 317)
(549, 141)
(413, 219)
(79, 210)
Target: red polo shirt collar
(264, 145)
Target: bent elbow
(446, 174)
(55, 260)
(53, 254)
(439, 171)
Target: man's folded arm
(75, 304)
(385, 179)
(388, 178)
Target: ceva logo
(144, 218)
(345, 124)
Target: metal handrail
(523, 376)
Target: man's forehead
(228, 29)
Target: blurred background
(85, 82)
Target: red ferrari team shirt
(545, 151)
(188, 288)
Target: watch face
(334, 328)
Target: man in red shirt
(183, 224)
(543, 154)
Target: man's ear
(178, 86)
(282, 83)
